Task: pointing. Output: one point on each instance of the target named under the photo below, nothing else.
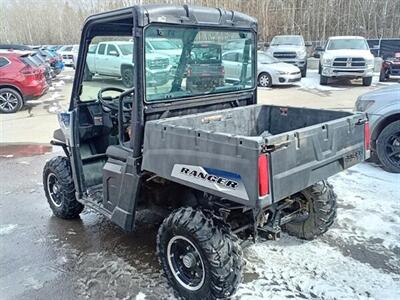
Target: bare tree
(59, 21)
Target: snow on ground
(359, 258)
(7, 228)
(311, 82)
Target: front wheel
(59, 188)
(323, 80)
(388, 147)
(304, 71)
(367, 81)
(319, 201)
(264, 80)
(200, 259)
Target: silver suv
(290, 49)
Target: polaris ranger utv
(215, 164)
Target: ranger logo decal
(222, 181)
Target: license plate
(353, 158)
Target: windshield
(336, 44)
(287, 40)
(126, 49)
(163, 44)
(201, 67)
(264, 58)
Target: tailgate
(303, 157)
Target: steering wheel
(108, 101)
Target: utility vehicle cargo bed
(219, 151)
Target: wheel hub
(8, 101)
(185, 263)
(189, 260)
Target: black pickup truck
(219, 168)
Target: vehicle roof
(346, 37)
(116, 42)
(288, 35)
(179, 14)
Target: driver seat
(119, 153)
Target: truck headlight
(327, 61)
(370, 62)
(301, 53)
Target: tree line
(60, 21)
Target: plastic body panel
(303, 146)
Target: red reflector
(263, 176)
(367, 136)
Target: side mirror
(317, 55)
(308, 44)
(266, 44)
(113, 53)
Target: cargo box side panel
(223, 165)
(315, 153)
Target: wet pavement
(43, 257)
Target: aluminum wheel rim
(8, 101)
(264, 80)
(393, 148)
(190, 277)
(53, 188)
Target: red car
(19, 81)
(390, 67)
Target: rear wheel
(127, 76)
(367, 81)
(319, 200)
(388, 147)
(59, 188)
(10, 101)
(87, 75)
(264, 80)
(323, 80)
(201, 259)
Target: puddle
(23, 150)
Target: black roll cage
(133, 21)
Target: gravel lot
(43, 257)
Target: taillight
(263, 175)
(28, 71)
(189, 72)
(222, 71)
(367, 136)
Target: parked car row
(25, 73)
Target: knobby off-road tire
(59, 188)
(188, 241)
(320, 201)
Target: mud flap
(121, 189)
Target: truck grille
(67, 56)
(397, 67)
(355, 62)
(284, 55)
(156, 64)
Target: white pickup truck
(114, 59)
(346, 56)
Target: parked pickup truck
(212, 163)
(115, 59)
(290, 49)
(345, 57)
